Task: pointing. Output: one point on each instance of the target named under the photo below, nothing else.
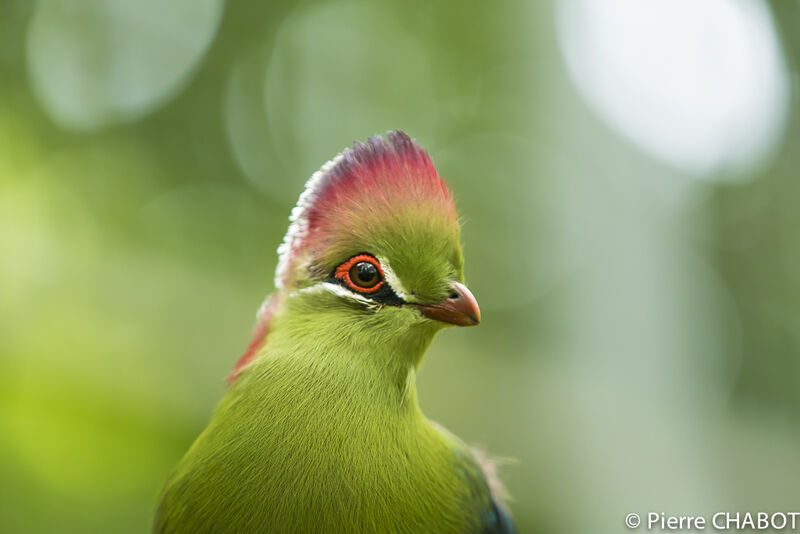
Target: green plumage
(322, 432)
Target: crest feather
(370, 178)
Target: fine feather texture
(260, 332)
(321, 430)
(360, 187)
(333, 443)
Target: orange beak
(460, 309)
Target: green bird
(320, 430)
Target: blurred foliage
(641, 329)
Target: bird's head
(377, 229)
(372, 254)
(374, 240)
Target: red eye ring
(343, 273)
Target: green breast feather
(321, 430)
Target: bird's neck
(366, 363)
(324, 411)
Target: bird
(320, 430)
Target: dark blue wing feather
(498, 521)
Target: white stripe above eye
(341, 291)
(393, 281)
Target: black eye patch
(384, 295)
(355, 275)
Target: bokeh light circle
(701, 86)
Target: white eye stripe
(393, 281)
(337, 290)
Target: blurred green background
(628, 177)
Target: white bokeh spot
(100, 62)
(701, 85)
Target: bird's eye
(364, 274)
(361, 273)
